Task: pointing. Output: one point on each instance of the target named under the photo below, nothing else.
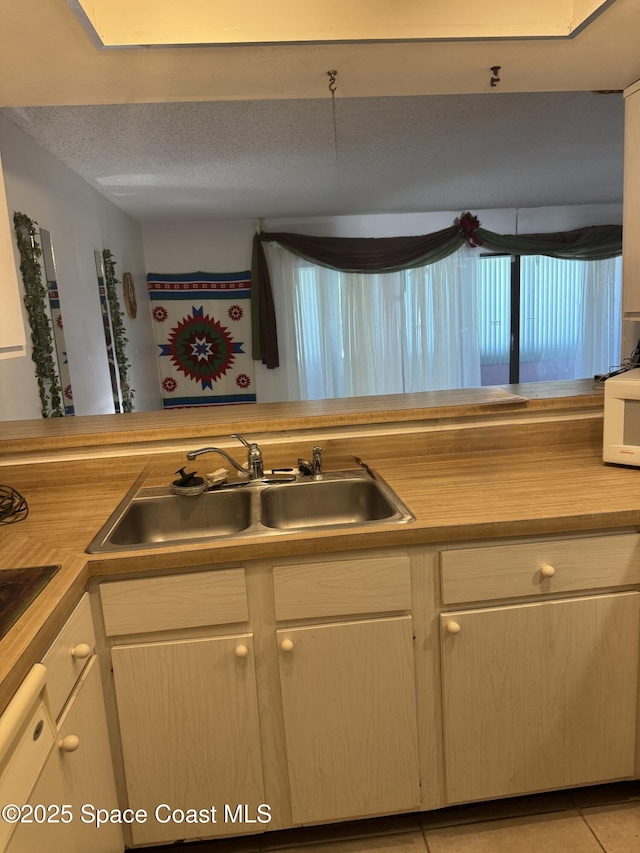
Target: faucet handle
(254, 457)
(315, 466)
(241, 438)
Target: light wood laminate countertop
(123, 430)
(482, 480)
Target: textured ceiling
(247, 131)
(259, 159)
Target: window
(546, 319)
(465, 321)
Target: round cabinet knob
(241, 651)
(81, 651)
(548, 571)
(286, 645)
(453, 627)
(69, 743)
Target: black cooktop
(18, 588)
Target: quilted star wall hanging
(202, 327)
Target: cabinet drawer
(540, 568)
(68, 654)
(174, 601)
(378, 585)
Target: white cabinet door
(42, 837)
(190, 736)
(631, 212)
(87, 770)
(540, 696)
(12, 334)
(348, 695)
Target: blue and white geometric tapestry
(202, 326)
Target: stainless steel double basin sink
(155, 517)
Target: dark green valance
(392, 254)
(585, 244)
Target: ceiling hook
(332, 89)
(495, 70)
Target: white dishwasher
(31, 785)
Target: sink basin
(154, 517)
(324, 502)
(159, 519)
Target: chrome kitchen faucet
(255, 464)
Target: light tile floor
(587, 820)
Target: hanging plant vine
(117, 330)
(35, 295)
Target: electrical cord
(13, 506)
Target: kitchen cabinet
(348, 688)
(630, 214)
(539, 695)
(12, 334)
(68, 655)
(82, 748)
(87, 766)
(68, 738)
(374, 683)
(305, 705)
(190, 737)
(187, 708)
(30, 777)
(350, 721)
(36, 835)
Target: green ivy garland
(35, 295)
(117, 331)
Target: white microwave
(621, 442)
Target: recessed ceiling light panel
(121, 23)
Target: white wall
(183, 247)
(80, 220)
(172, 247)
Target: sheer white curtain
(443, 339)
(599, 341)
(344, 334)
(569, 318)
